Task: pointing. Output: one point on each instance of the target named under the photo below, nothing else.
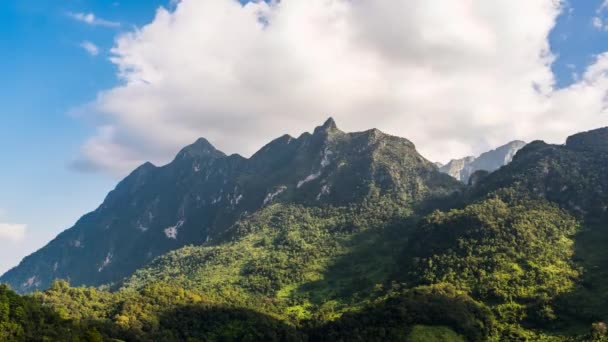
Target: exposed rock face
(202, 192)
(490, 161)
(460, 169)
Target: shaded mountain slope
(574, 175)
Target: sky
(89, 89)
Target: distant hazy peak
(507, 151)
(490, 161)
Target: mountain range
(203, 192)
(332, 236)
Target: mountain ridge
(202, 192)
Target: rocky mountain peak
(145, 167)
(200, 148)
(327, 127)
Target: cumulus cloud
(92, 19)
(90, 48)
(453, 77)
(12, 232)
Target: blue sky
(46, 73)
(576, 41)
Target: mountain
(345, 237)
(522, 240)
(203, 192)
(462, 169)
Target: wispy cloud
(92, 19)
(90, 48)
(12, 232)
(597, 23)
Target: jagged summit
(328, 126)
(147, 166)
(200, 148)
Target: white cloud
(598, 23)
(12, 232)
(90, 48)
(453, 77)
(92, 19)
